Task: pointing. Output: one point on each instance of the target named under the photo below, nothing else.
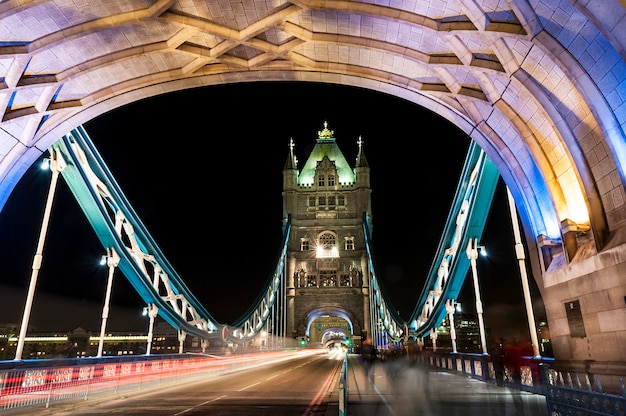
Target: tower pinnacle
(325, 134)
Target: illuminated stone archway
(537, 84)
(323, 322)
(334, 335)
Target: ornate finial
(291, 144)
(360, 142)
(325, 134)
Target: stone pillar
(290, 272)
(366, 330)
(290, 296)
(546, 250)
(570, 245)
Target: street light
(472, 254)
(111, 259)
(521, 257)
(451, 305)
(56, 164)
(152, 311)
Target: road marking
(200, 405)
(319, 397)
(247, 387)
(382, 397)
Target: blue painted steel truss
(118, 227)
(466, 222)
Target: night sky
(203, 170)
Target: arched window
(327, 245)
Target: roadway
(309, 386)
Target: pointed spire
(292, 161)
(361, 161)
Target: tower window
(344, 280)
(341, 200)
(305, 244)
(331, 202)
(328, 278)
(321, 201)
(349, 243)
(311, 281)
(327, 245)
(320, 180)
(331, 180)
(327, 240)
(311, 201)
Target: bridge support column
(521, 258)
(182, 335)
(433, 338)
(472, 254)
(112, 259)
(420, 343)
(56, 165)
(153, 311)
(450, 310)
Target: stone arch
(353, 322)
(539, 216)
(538, 85)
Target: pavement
(399, 387)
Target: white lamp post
(450, 310)
(182, 335)
(433, 338)
(519, 251)
(152, 311)
(112, 260)
(472, 254)
(56, 164)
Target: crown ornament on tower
(325, 134)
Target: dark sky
(203, 170)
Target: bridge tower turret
(327, 289)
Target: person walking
(496, 352)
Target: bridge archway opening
(336, 336)
(326, 325)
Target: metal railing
(565, 393)
(343, 388)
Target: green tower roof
(326, 147)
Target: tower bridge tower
(327, 285)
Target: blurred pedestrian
(368, 356)
(496, 352)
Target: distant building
(80, 343)
(468, 335)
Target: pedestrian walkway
(402, 388)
